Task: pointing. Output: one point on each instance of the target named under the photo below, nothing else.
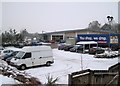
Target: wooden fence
(93, 77)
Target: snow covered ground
(6, 80)
(67, 62)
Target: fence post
(69, 80)
(90, 78)
(118, 76)
(119, 67)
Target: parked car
(1, 49)
(33, 56)
(51, 41)
(62, 41)
(76, 48)
(107, 54)
(8, 51)
(5, 52)
(81, 50)
(115, 48)
(7, 58)
(68, 47)
(96, 50)
(61, 46)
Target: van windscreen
(20, 54)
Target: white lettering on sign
(82, 38)
(95, 38)
(102, 38)
(88, 38)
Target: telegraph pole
(81, 62)
(110, 18)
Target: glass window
(14, 53)
(20, 55)
(86, 46)
(93, 45)
(6, 51)
(27, 55)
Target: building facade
(102, 37)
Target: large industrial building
(73, 36)
(64, 35)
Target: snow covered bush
(22, 77)
(107, 54)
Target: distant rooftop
(74, 30)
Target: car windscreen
(19, 55)
(75, 47)
(14, 53)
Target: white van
(32, 56)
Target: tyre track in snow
(59, 72)
(55, 74)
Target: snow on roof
(35, 48)
(86, 42)
(12, 48)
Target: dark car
(76, 48)
(7, 58)
(80, 50)
(96, 51)
(115, 48)
(68, 47)
(61, 46)
(1, 48)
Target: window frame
(25, 57)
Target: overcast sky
(55, 16)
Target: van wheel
(23, 67)
(48, 63)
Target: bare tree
(94, 25)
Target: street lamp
(110, 18)
(43, 38)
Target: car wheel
(48, 63)
(23, 67)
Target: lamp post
(81, 62)
(110, 18)
(43, 35)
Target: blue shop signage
(100, 38)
